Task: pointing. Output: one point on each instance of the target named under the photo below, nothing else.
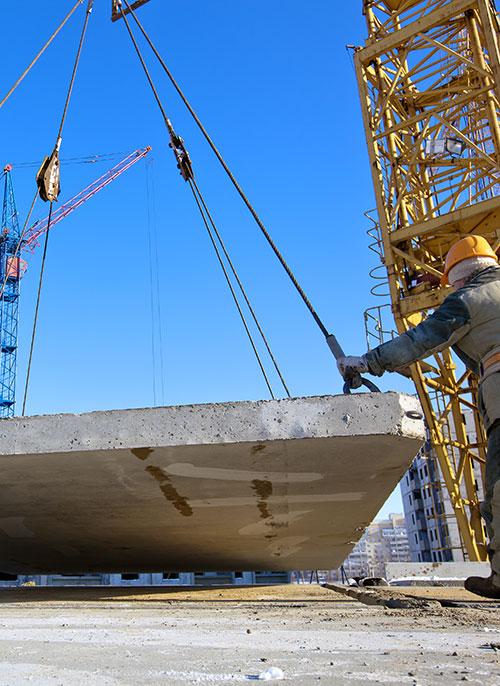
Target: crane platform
(274, 485)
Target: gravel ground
(320, 637)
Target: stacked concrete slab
(287, 484)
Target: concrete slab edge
(362, 414)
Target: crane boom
(32, 235)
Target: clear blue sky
(276, 88)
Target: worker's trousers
(491, 505)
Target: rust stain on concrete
(170, 492)
(264, 490)
(141, 453)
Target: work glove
(350, 365)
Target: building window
(409, 498)
(413, 518)
(130, 577)
(416, 539)
(170, 575)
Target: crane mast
(9, 298)
(429, 79)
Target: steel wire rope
(35, 319)
(231, 288)
(201, 204)
(44, 48)
(242, 289)
(151, 295)
(157, 281)
(46, 242)
(231, 176)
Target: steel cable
(207, 219)
(35, 319)
(44, 48)
(231, 288)
(46, 242)
(242, 289)
(231, 176)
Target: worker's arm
(442, 329)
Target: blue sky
(275, 86)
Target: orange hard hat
(472, 246)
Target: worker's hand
(350, 365)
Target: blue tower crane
(10, 273)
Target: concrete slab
(277, 485)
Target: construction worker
(469, 322)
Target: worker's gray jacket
(469, 321)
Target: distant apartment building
(384, 541)
(155, 579)
(433, 533)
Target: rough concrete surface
(145, 636)
(256, 485)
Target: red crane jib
(30, 241)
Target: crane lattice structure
(429, 79)
(10, 265)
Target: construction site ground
(176, 636)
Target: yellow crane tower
(429, 79)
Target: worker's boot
(487, 587)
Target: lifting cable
(231, 288)
(236, 276)
(44, 48)
(229, 172)
(185, 168)
(53, 182)
(353, 382)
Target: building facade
(433, 533)
(384, 541)
(155, 579)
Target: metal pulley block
(181, 155)
(48, 178)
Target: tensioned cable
(157, 281)
(231, 288)
(201, 203)
(242, 289)
(44, 48)
(35, 320)
(231, 176)
(46, 242)
(151, 293)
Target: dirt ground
(222, 636)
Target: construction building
(384, 541)
(148, 579)
(433, 533)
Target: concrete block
(274, 485)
